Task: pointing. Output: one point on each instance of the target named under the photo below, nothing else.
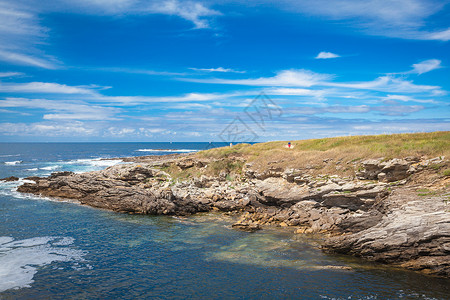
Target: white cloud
(405, 19)
(10, 74)
(443, 35)
(97, 116)
(45, 88)
(27, 60)
(20, 33)
(287, 82)
(220, 69)
(426, 66)
(114, 131)
(64, 110)
(398, 110)
(326, 55)
(191, 11)
(190, 97)
(387, 84)
(51, 129)
(404, 98)
(286, 78)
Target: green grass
(348, 149)
(426, 192)
(446, 172)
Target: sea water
(61, 250)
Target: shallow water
(51, 249)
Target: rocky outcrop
(415, 235)
(10, 178)
(379, 215)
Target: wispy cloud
(326, 55)
(286, 78)
(394, 18)
(443, 35)
(192, 11)
(63, 109)
(426, 66)
(46, 88)
(398, 110)
(304, 79)
(20, 33)
(28, 60)
(46, 129)
(10, 74)
(195, 12)
(388, 84)
(134, 71)
(405, 98)
(220, 69)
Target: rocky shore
(392, 211)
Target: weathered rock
(386, 171)
(10, 178)
(416, 235)
(279, 192)
(370, 169)
(396, 228)
(395, 169)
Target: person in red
(289, 144)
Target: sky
(229, 70)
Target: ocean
(60, 250)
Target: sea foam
(20, 259)
(12, 163)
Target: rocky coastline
(392, 211)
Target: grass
(426, 192)
(446, 172)
(349, 149)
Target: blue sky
(134, 70)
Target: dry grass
(345, 151)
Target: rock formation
(395, 211)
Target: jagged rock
(64, 173)
(186, 164)
(414, 235)
(371, 169)
(395, 169)
(10, 178)
(277, 191)
(389, 171)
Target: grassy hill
(342, 151)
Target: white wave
(49, 168)
(11, 163)
(167, 150)
(96, 162)
(20, 259)
(32, 169)
(9, 155)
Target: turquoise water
(61, 250)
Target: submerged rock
(246, 227)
